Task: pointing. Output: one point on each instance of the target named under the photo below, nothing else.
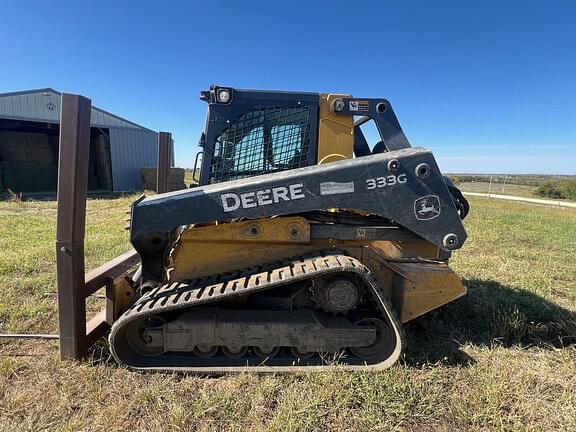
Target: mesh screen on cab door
(261, 141)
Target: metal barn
(29, 135)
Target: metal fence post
(164, 162)
(70, 225)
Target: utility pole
(504, 185)
(490, 187)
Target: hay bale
(148, 176)
(28, 146)
(102, 165)
(29, 161)
(175, 179)
(29, 176)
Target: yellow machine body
(413, 288)
(335, 132)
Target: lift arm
(403, 186)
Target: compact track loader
(301, 247)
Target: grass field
(501, 358)
(510, 188)
(499, 188)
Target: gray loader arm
(404, 186)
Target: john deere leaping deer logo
(427, 207)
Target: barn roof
(44, 105)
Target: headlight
(223, 95)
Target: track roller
(234, 352)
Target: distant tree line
(519, 180)
(561, 189)
(526, 179)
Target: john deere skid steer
(300, 248)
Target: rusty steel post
(164, 162)
(71, 218)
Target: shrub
(455, 179)
(560, 189)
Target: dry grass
(501, 358)
(500, 188)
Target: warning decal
(359, 105)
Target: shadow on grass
(490, 314)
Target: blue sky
(489, 86)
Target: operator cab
(254, 132)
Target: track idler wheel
(383, 345)
(140, 341)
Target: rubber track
(192, 293)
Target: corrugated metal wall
(31, 106)
(131, 150)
